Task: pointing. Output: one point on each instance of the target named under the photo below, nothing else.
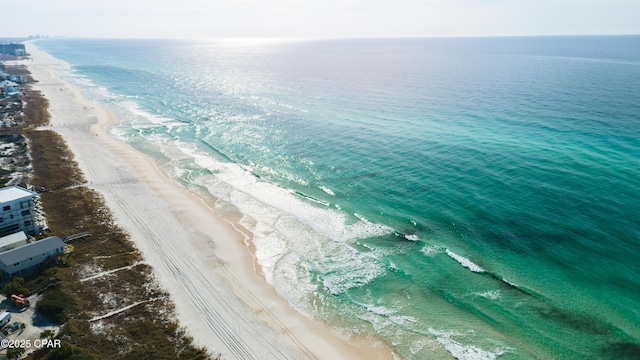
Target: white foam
(270, 248)
(403, 320)
(362, 218)
(491, 295)
(324, 203)
(292, 280)
(317, 237)
(248, 223)
(327, 190)
(412, 237)
(431, 250)
(142, 119)
(417, 346)
(135, 109)
(465, 262)
(379, 310)
(330, 223)
(462, 352)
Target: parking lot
(34, 325)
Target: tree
(65, 351)
(16, 286)
(15, 352)
(47, 334)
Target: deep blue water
(466, 197)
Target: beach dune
(201, 260)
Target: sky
(318, 18)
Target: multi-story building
(9, 87)
(13, 49)
(17, 211)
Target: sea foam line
(465, 262)
(462, 352)
(308, 235)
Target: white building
(9, 87)
(26, 258)
(17, 211)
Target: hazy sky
(318, 18)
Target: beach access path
(201, 260)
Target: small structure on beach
(17, 211)
(26, 258)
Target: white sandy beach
(201, 260)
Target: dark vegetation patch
(56, 305)
(16, 286)
(56, 167)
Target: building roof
(8, 240)
(11, 193)
(24, 252)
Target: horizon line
(254, 38)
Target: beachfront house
(20, 79)
(26, 258)
(9, 87)
(17, 211)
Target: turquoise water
(469, 198)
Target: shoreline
(202, 260)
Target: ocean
(470, 198)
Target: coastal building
(17, 211)
(26, 258)
(20, 79)
(13, 241)
(9, 87)
(13, 49)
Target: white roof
(24, 252)
(11, 193)
(20, 236)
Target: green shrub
(16, 286)
(67, 352)
(55, 304)
(15, 352)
